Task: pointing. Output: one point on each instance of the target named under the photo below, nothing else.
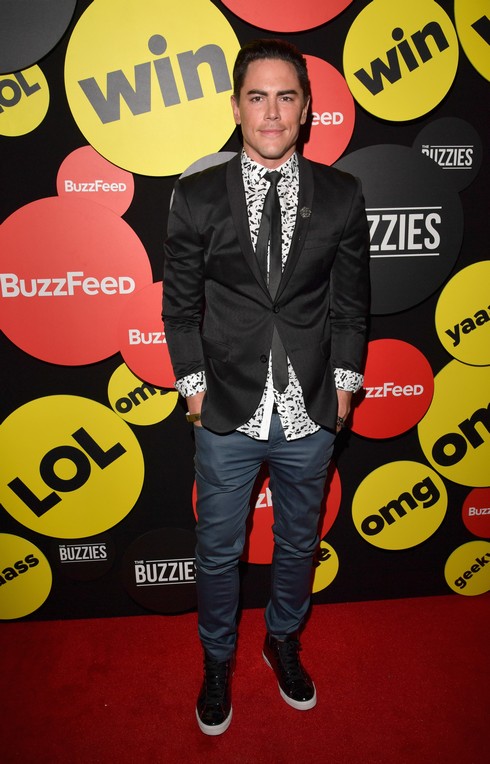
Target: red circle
(142, 337)
(86, 175)
(260, 542)
(476, 512)
(286, 15)
(398, 388)
(333, 113)
(67, 268)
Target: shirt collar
(253, 172)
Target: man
(265, 304)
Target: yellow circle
(327, 567)
(399, 505)
(467, 570)
(150, 87)
(24, 101)
(472, 23)
(455, 432)
(139, 402)
(25, 577)
(463, 315)
(400, 59)
(71, 468)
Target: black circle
(28, 31)
(158, 570)
(83, 559)
(455, 146)
(416, 224)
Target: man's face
(270, 110)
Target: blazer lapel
(303, 215)
(236, 197)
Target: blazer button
(263, 358)
(276, 309)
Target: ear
(236, 110)
(304, 112)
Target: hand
(194, 405)
(344, 400)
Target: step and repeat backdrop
(102, 105)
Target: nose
(272, 109)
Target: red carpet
(402, 682)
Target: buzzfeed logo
(390, 388)
(478, 511)
(137, 337)
(74, 281)
(327, 118)
(93, 187)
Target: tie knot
(273, 177)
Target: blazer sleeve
(183, 287)
(349, 288)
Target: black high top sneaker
(295, 684)
(213, 708)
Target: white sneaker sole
(214, 729)
(297, 704)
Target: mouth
(272, 131)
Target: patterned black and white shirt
(290, 404)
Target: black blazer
(217, 310)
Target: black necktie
(270, 229)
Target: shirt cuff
(350, 381)
(191, 384)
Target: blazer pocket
(217, 350)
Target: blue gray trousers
(226, 469)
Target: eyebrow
(256, 91)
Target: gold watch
(193, 417)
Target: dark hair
(260, 49)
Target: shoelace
(289, 657)
(216, 674)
